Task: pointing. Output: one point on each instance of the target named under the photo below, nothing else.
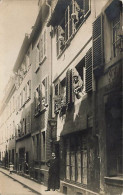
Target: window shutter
(44, 42)
(35, 58)
(69, 87)
(88, 66)
(66, 23)
(98, 45)
(35, 106)
(46, 90)
(39, 98)
(72, 96)
(29, 88)
(40, 50)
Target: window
(116, 36)
(28, 60)
(29, 89)
(74, 16)
(45, 92)
(60, 97)
(37, 100)
(79, 79)
(24, 66)
(76, 159)
(42, 46)
(60, 37)
(43, 145)
(28, 122)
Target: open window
(37, 100)
(75, 14)
(60, 97)
(60, 37)
(44, 93)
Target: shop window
(37, 147)
(76, 159)
(114, 141)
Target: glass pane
(68, 172)
(73, 166)
(84, 167)
(68, 158)
(78, 166)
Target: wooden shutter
(72, 96)
(66, 23)
(98, 56)
(35, 106)
(46, 90)
(69, 87)
(39, 98)
(88, 69)
(29, 88)
(44, 42)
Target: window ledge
(37, 69)
(44, 58)
(40, 112)
(117, 180)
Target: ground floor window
(76, 159)
(114, 141)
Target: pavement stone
(32, 185)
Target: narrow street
(10, 187)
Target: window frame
(67, 18)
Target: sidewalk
(32, 185)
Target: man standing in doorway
(53, 179)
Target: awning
(113, 9)
(58, 12)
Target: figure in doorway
(53, 179)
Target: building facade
(67, 97)
(86, 60)
(7, 125)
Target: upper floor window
(42, 46)
(40, 50)
(37, 95)
(74, 16)
(116, 35)
(45, 92)
(41, 96)
(29, 89)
